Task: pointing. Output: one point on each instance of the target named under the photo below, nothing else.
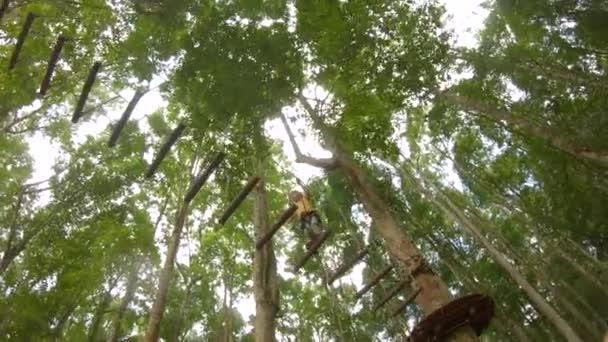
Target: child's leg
(305, 226)
(316, 226)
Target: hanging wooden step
(86, 89)
(124, 118)
(312, 251)
(374, 282)
(202, 178)
(25, 31)
(3, 8)
(392, 293)
(401, 307)
(282, 219)
(164, 149)
(347, 266)
(239, 199)
(50, 69)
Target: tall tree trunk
(512, 207)
(472, 285)
(7, 258)
(180, 314)
(565, 303)
(132, 282)
(11, 253)
(265, 283)
(580, 269)
(57, 331)
(527, 126)
(158, 308)
(124, 303)
(536, 261)
(539, 302)
(434, 292)
(98, 317)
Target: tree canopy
(459, 169)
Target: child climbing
(310, 221)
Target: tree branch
(324, 163)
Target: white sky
(466, 18)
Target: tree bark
(99, 313)
(132, 283)
(124, 304)
(57, 331)
(526, 126)
(158, 308)
(265, 283)
(472, 285)
(580, 269)
(539, 302)
(434, 293)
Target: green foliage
(69, 245)
(236, 71)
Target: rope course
(124, 118)
(401, 307)
(390, 294)
(202, 178)
(86, 89)
(50, 69)
(312, 251)
(25, 31)
(239, 199)
(282, 219)
(474, 310)
(374, 281)
(164, 150)
(347, 266)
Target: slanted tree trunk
(158, 308)
(124, 304)
(538, 264)
(57, 331)
(98, 317)
(29, 232)
(539, 302)
(132, 283)
(434, 292)
(463, 274)
(177, 333)
(580, 269)
(13, 247)
(265, 283)
(526, 126)
(227, 309)
(562, 245)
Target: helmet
(295, 196)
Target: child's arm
(304, 187)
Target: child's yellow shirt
(304, 207)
